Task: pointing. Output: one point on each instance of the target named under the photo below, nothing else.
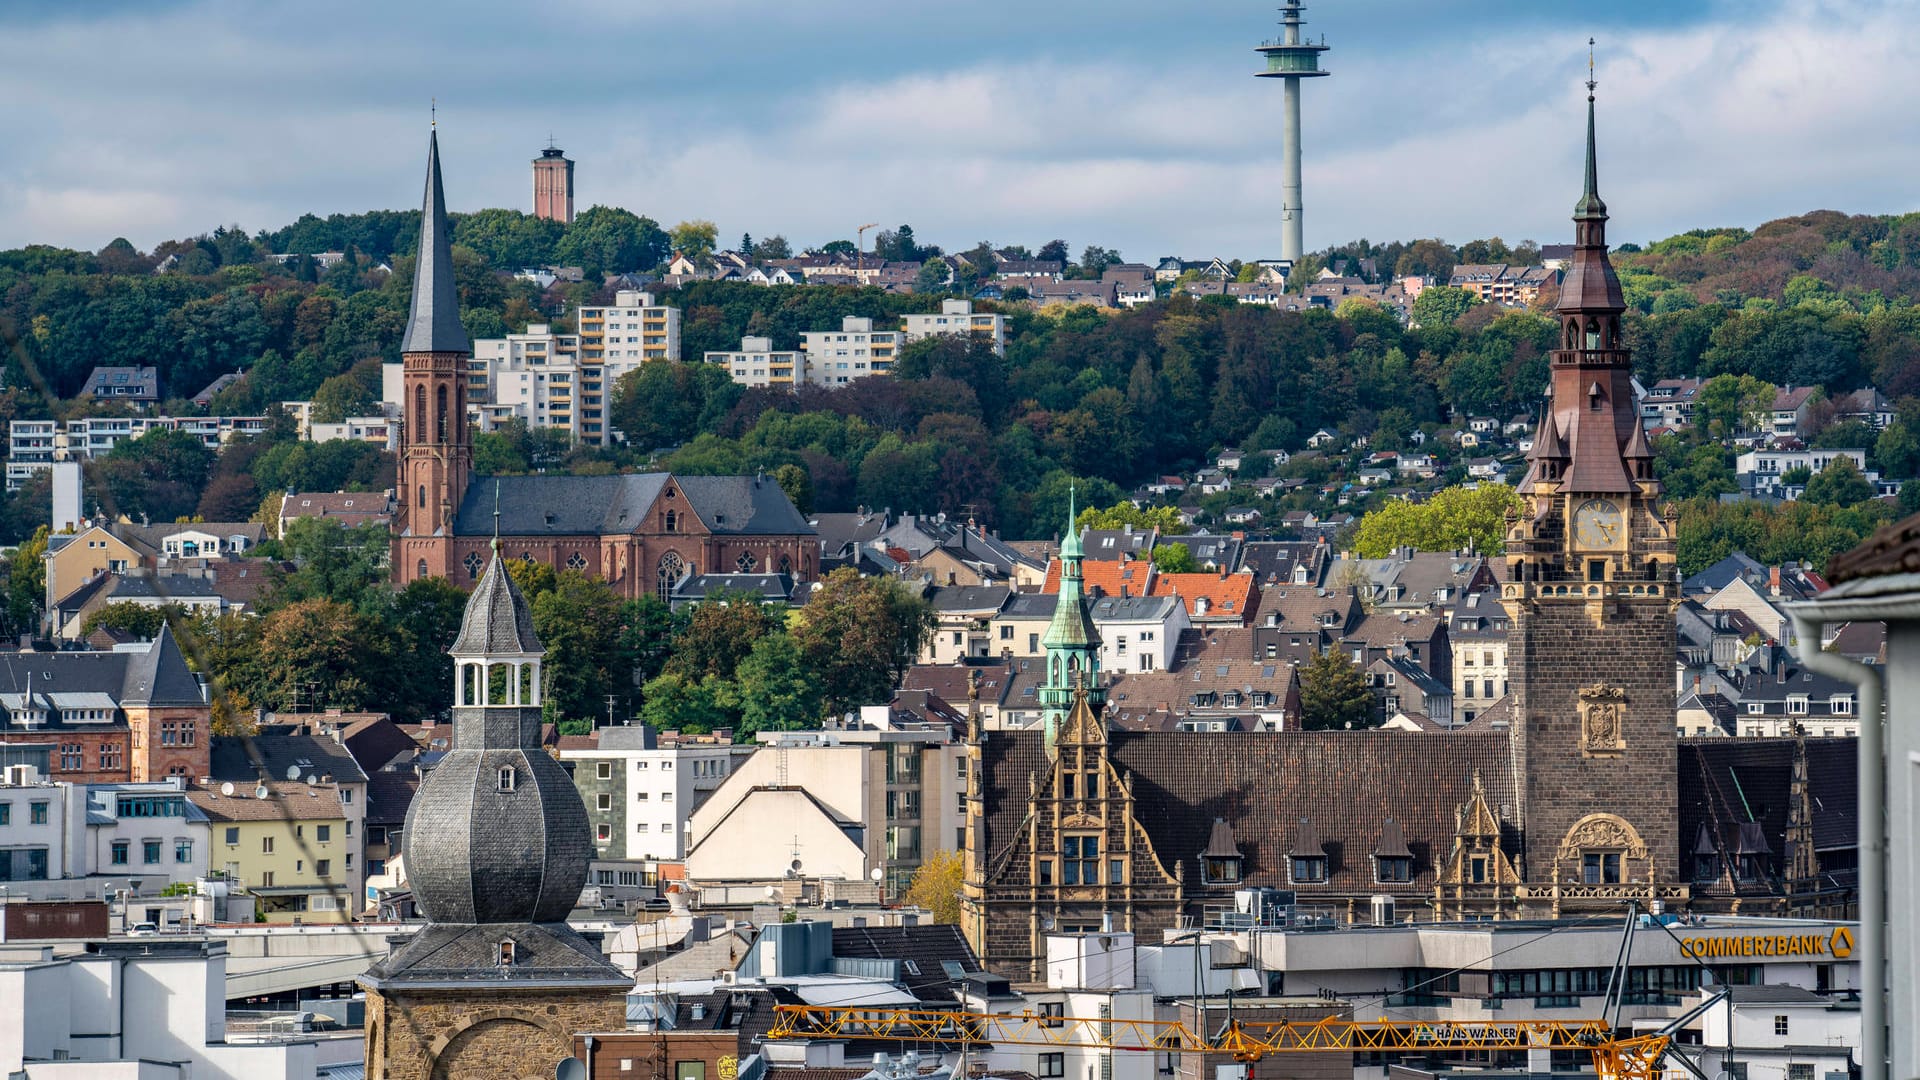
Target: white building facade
(957, 319)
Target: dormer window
(1309, 869)
(506, 952)
(507, 778)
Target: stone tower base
(488, 1031)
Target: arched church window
(673, 521)
(672, 568)
(576, 561)
(1593, 333)
(786, 564)
(421, 570)
(440, 418)
(423, 496)
(745, 563)
(419, 414)
(472, 563)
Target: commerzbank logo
(1837, 945)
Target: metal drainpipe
(1872, 841)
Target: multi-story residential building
(378, 430)
(133, 385)
(64, 841)
(640, 792)
(103, 547)
(566, 381)
(34, 445)
(758, 363)
(1477, 633)
(323, 765)
(1500, 283)
(134, 714)
(957, 319)
(1669, 403)
(286, 843)
(1792, 407)
(833, 804)
(835, 357)
(1760, 472)
(1138, 633)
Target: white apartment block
(957, 319)
(640, 795)
(758, 363)
(63, 841)
(377, 430)
(567, 381)
(856, 350)
(1765, 468)
(34, 445)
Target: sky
(1133, 124)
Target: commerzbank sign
(1837, 945)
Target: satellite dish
(570, 1069)
(261, 792)
(796, 866)
(876, 874)
(226, 788)
(1046, 923)
(772, 891)
(293, 772)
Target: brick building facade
(134, 714)
(640, 532)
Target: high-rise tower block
(1291, 59)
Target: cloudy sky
(1131, 123)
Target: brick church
(643, 532)
(1574, 798)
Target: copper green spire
(1590, 205)
(1070, 543)
(1072, 644)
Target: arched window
(423, 496)
(419, 432)
(1593, 333)
(786, 564)
(472, 562)
(673, 521)
(440, 420)
(672, 568)
(745, 563)
(421, 570)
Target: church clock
(1598, 523)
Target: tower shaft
(1291, 59)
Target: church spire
(1072, 644)
(1590, 206)
(433, 324)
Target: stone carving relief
(1602, 832)
(1603, 714)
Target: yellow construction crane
(1634, 1058)
(860, 249)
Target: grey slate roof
(433, 324)
(497, 621)
(609, 505)
(743, 505)
(543, 954)
(155, 675)
(315, 756)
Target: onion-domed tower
(497, 846)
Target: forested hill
(1108, 399)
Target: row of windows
(150, 851)
(36, 813)
(322, 834)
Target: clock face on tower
(1598, 523)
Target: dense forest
(1106, 400)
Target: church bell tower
(1591, 590)
(436, 451)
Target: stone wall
(489, 1032)
(1558, 647)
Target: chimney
(1773, 580)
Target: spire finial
(433, 112)
(1590, 83)
(496, 516)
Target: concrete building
(758, 363)
(566, 381)
(957, 319)
(840, 804)
(640, 794)
(286, 843)
(141, 1009)
(34, 445)
(1760, 471)
(856, 350)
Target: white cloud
(214, 112)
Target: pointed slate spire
(1590, 204)
(433, 324)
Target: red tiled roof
(1226, 594)
(1113, 577)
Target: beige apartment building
(566, 381)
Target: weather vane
(1590, 83)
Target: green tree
(321, 653)
(695, 239)
(775, 688)
(1839, 484)
(27, 583)
(719, 633)
(1454, 519)
(1441, 305)
(798, 486)
(140, 620)
(1175, 559)
(425, 618)
(332, 562)
(936, 883)
(933, 276)
(675, 702)
(578, 621)
(1730, 405)
(604, 239)
(1334, 694)
(860, 635)
(1123, 513)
